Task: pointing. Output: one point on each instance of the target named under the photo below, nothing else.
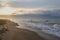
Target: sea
(46, 25)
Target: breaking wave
(45, 27)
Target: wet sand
(14, 33)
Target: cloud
(0, 5)
(3, 3)
(49, 12)
(36, 10)
(54, 12)
(30, 3)
(45, 13)
(34, 3)
(24, 0)
(22, 4)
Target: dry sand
(19, 34)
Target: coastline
(42, 34)
(14, 33)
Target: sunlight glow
(6, 11)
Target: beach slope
(14, 33)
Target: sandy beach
(14, 33)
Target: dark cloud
(54, 14)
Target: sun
(6, 11)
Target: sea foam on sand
(54, 29)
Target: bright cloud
(35, 10)
(39, 13)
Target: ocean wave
(53, 29)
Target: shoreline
(40, 33)
(14, 33)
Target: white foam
(54, 29)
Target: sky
(30, 3)
(29, 6)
